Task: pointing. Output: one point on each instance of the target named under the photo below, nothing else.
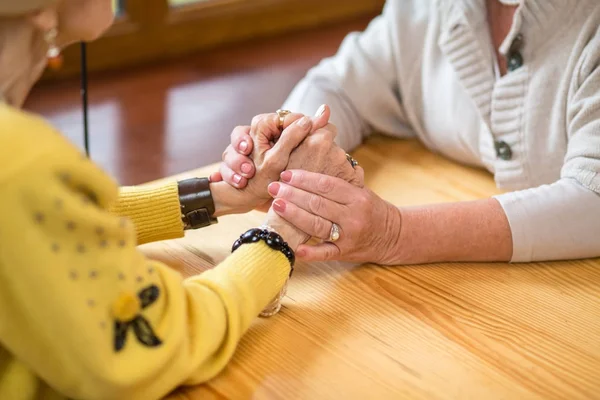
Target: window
(151, 30)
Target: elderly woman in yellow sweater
(82, 313)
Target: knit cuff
(155, 211)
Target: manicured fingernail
(274, 189)
(246, 168)
(320, 111)
(237, 178)
(286, 176)
(304, 122)
(300, 253)
(279, 206)
(243, 146)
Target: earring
(55, 60)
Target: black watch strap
(197, 205)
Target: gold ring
(351, 160)
(281, 121)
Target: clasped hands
(305, 183)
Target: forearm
(466, 231)
(156, 209)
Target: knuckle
(299, 178)
(329, 254)
(256, 120)
(315, 204)
(233, 159)
(285, 192)
(225, 152)
(320, 228)
(363, 200)
(273, 163)
(355, 224)
(324, 184)
(235, 133)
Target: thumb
(321, 118)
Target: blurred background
(172, 78)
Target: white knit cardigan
(426, 69)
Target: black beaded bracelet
(272, 239)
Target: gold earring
(55, 60)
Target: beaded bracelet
(272, 239)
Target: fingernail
(246, 168)
(237, 178)
(300, 253)
(243, 146)
(320, 111)
(304, 122)
(286, 176)
(279, 206)
(274, 189)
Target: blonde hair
(20, 7)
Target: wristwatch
(197, 204)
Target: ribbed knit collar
(537, 19)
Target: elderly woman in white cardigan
(509, 86)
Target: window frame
(152, 30)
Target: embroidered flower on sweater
(127, 313)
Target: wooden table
(460, 331)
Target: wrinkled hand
(369, 226)
(265, 153)
(319, 153)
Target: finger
(321, 118)
(331, 188)
(232, 178)
(308, 223)
(307, 201)
(359, 178)
(238, 163)
(215, 177)
(321, 252)
(241, 140)
(292, 136)
(265, 127)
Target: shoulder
(25, 137)
(33, 154)
(412, 10)
(588, 46)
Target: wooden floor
(164, 119)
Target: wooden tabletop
(444, 331)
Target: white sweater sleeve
(562, 220)
(553, 222)
(359, 84)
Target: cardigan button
(503, 150)
(515, 61)
(515, 58)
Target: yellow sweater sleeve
(83, 309)
(154, 210)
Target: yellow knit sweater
(82, 313)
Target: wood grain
(444, 331)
